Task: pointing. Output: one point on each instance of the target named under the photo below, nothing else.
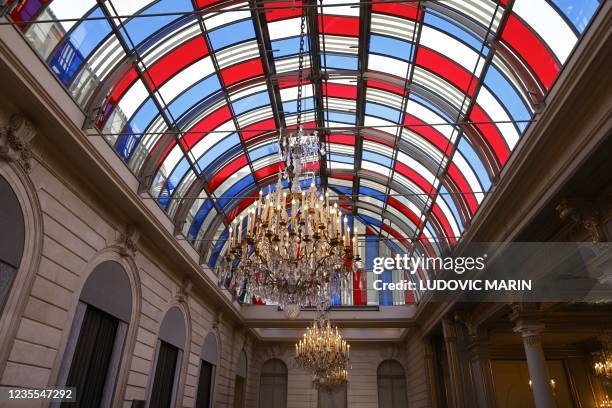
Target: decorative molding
(15, 140)
(183, 291)
(217, 319)
(127, 242)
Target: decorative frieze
(15, 140)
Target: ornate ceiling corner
(15, 140)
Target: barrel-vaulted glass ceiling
(419, 103)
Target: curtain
(161, 395)
(204, 385)
(92, 356)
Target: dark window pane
(239, 392)
(273, 385)
(161, 395)
(92, 356)
(204, 385)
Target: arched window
(12, 238)
(93, 353)
(208, 364)
(391, 385)
(273, 385)
(240, 381)
(170, 347)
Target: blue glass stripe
(383, 112)
(251, 102)
(507, 96)
(218, 246)
(462, 32)
(232, 34)
(287, 46)
(193, 95)
(338, 61)
(225, 147)
(199, 219)
(579, 12)
(290, 107)
(391, 47)
(226, 202)
(348, 118)
(81, 41)
(139, 123)
(140, 29)
(377, 158)
(263, 151)
(475, 161)
(340, 158)
(450, 202)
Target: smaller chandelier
(332, 379)
(603, 363)
(322, 350)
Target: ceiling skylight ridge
(488, 40)
(163, 112)
(238, 128)
(316, 77)
(416, 40)
(365, 15)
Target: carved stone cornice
(15, 140)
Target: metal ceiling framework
(419, 103)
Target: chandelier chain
(301, 67)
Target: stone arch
(29, 262)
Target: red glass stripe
(447, 69)
(175, 61)
(227, 171)
(491, 134)
(210, 122)
(531, 48)
(242, 71)
(340, 91)
(463, 186)
(282, 10)
(339, 25)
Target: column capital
(530, 331)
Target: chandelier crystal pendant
(323, 352)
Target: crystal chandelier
(322, 351)
(296, 247)
(603, 363)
